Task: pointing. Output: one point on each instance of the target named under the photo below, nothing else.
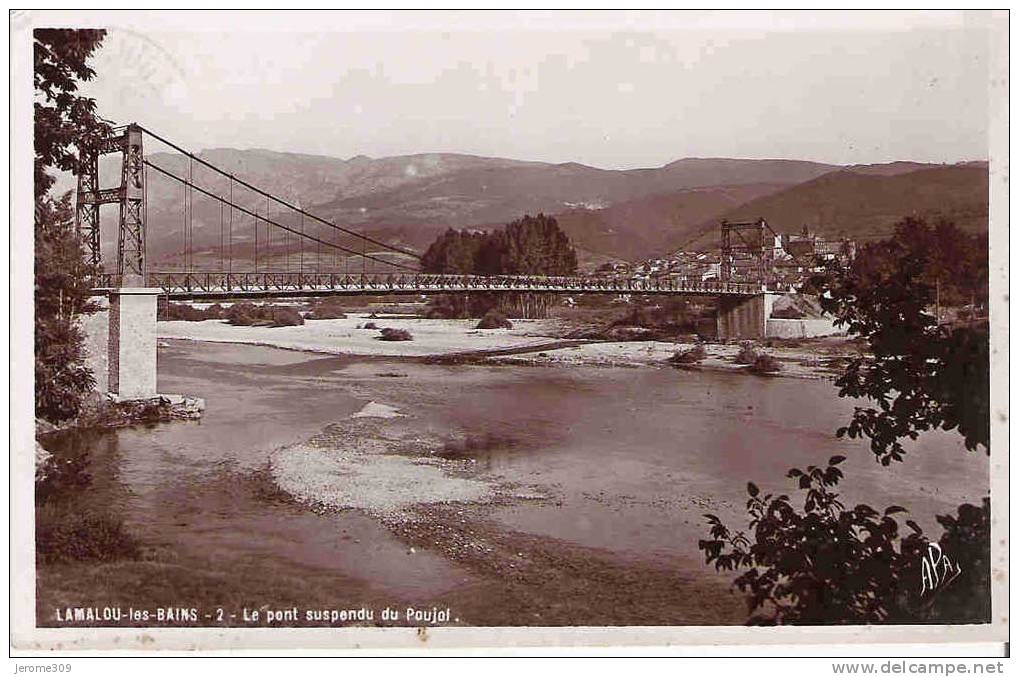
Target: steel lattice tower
(130, 196)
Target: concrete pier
(744, 317)
(121, 343)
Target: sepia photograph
(448, 329)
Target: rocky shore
(529, 342)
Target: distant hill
(408, 200)
(861, 204)
(643, 227)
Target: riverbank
(529, 342)
(347, 336)
(810, 359)
(512, 496)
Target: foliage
(242, 314)
(690, 356)
(64, 533)
(187, 313)
(63, 530)
(393, 334)
(62, 118)
(460, 306)
(62, 294)
(282, 316)
(533, 245)
(747, 353)
(824, 565)
(668, 315)
(248, 315)
(923, 375)
(828, 564)
(968, 537)
(327, 309)
(765, 364)
(494, 319)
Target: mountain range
(623, 214)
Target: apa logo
(937, 570)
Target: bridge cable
(189, 253)
(274, 223)
(230, 265)
(254, 223)
(145, 219)
(277, 199)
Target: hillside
(865, 204)
(631, 214)
(641, 228)
(408, 199)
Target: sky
(612, 90)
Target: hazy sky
(610, 90)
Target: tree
(921, 373)
(535, 245)
(529, 246)
(830, 564)
(824, 565)
(62, 119)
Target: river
(628, 458)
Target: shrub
(327, 309)
(765, 364)
(64, 533)
(188, 313)
(286, 317)
(822, 565)
(370, 325)
(828, 563)
(494, 319)
(242, 314)
(248, 314)
(391, 334)
(460, 306)
(691, 356)
(747, 354)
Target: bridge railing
(175, 283)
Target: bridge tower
(130, 195)
(750, 241)
(122, 339)
(745, 317)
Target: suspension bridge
(286, 251)
(293, 264)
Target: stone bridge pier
(120, 343)
(744, 317)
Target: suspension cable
(254, 222)
(274, 198)
(274, 223)
(191, 218)
(230, 265)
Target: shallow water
(631, 457)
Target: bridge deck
(219, 285)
